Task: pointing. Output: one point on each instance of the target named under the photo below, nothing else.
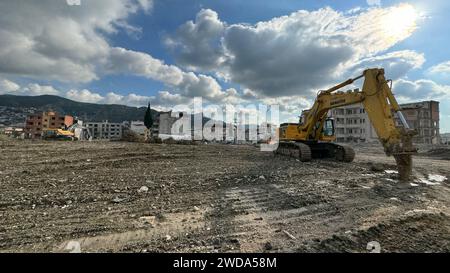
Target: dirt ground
(134, 197)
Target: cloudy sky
(228, 52)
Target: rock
(376, 168)
(268, 246)
(196, 208)
(168, 237)
(143, 189)
(117, 200)
(262, 177)
(151, 220)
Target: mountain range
(82, 110)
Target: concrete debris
(118, 200)
(143, 189)
(151, 220)
(289, 235)
(436, 177)
(391, 172)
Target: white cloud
(50, 40)
(440, 69)
(147, 5)
(187, 83)
(397, 63)
(423, 89)
(35, 89)
(195, 42)
(84, 96)
(32, 89)
(296, 54)
(130, 99)
(373, 2)
(7, 86)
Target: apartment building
(36, 123)
(352, 123)
(138, 127)
(104, 130)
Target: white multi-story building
(138, 127)
(104, 130)
(352, 124)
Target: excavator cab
(328, 131)
(328, 128)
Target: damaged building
(352, 123)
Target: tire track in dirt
(262, 213)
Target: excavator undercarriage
(309, 150)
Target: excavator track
(306, 151)
(344, 153)
(296, 150)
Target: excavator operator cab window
(328, 128)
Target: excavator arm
(381, 107)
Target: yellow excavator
(313, 136)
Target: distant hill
(85, 111)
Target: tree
(148, 119)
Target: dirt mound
(417, 233)
(131, 136)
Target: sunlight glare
(400, 21)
